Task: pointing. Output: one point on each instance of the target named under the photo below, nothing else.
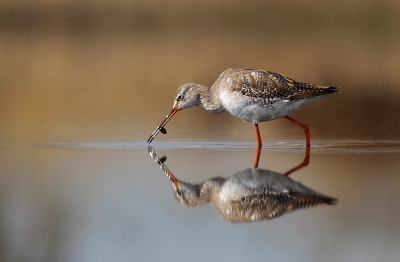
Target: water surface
(97, 201)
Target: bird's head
(185, 97)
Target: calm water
(83, 84)
(108, 200)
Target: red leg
(305, 128)
(301, 165)
(258, 135)
(257, 157)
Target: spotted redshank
(251, 95)
(247, 196)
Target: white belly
(255, 111)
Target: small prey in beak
(161, 128)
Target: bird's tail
(316, 91)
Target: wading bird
(251, 95)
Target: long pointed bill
(160, 162)
(171, 176)
(163, 123)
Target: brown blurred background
(75, 71)
(93, 68)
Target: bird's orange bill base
(163, 123)
(161, 162)
(171, 176)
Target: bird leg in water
(305, 128)
(259, 143)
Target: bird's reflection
(250, 195)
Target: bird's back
(269, 205)
(268, 85)
(257, 95)
(257, 194)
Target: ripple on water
(320, 146)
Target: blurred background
(83, 84)
(112, 67)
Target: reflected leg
(301, 165)
(258, 154)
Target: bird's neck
(209, 99)
(210, 189)
(205, 192)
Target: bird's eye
(179, 98)
(179, 193)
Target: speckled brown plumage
(251, 95)
(271, 204)
(270, 86)
(247, 196)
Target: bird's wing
(270, 205)
(301, 90)
(272, 86)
